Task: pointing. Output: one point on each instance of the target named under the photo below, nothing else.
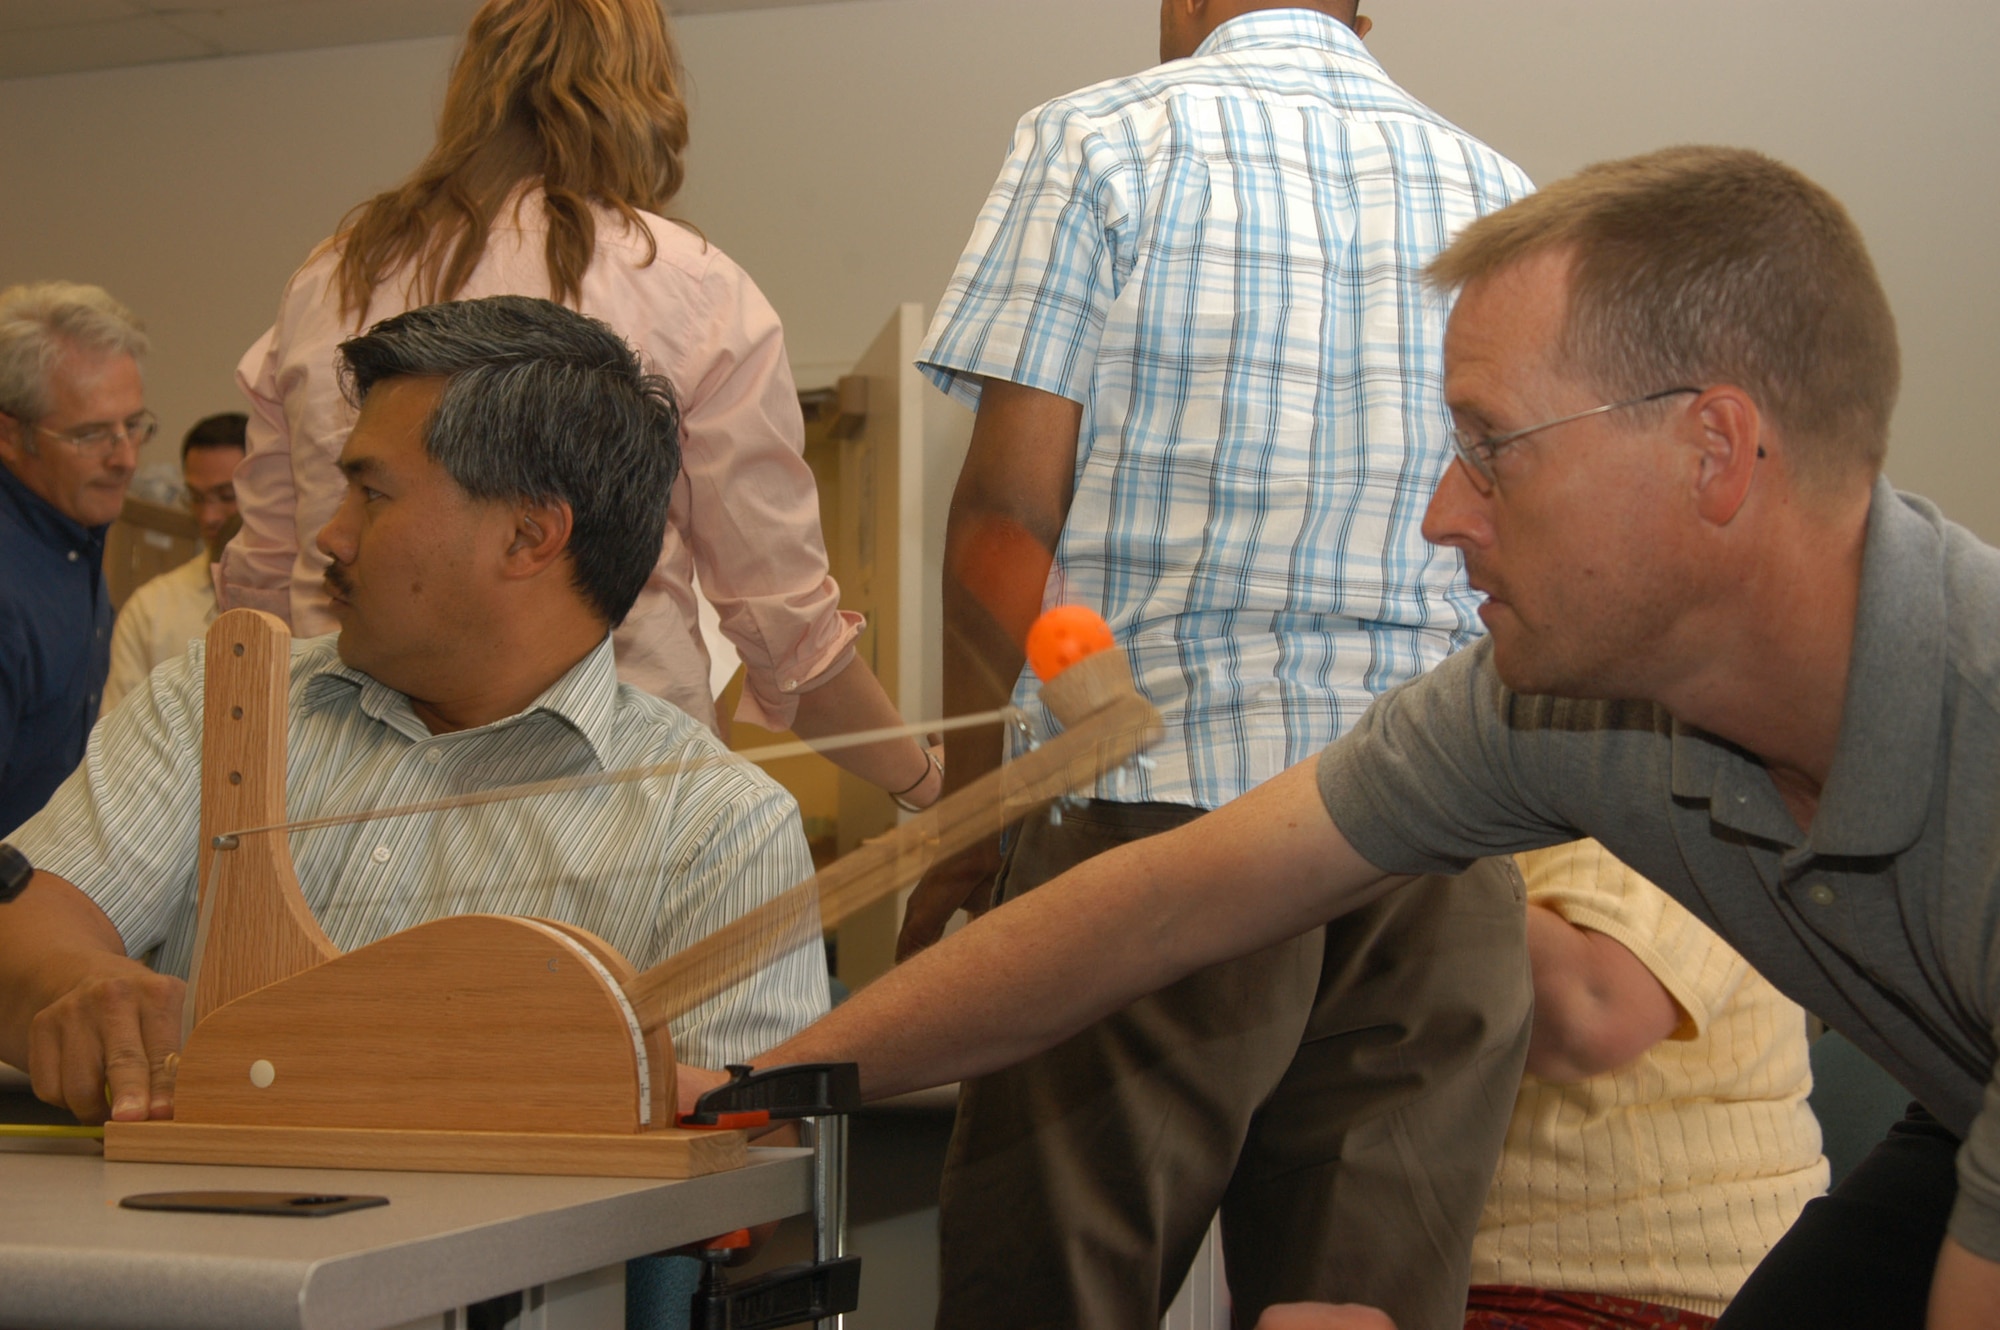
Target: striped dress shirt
(649, 866)
(1220, 259)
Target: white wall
(192, 190)
(841, 150)
(1893, 108)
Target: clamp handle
(754, 1096)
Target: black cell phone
(309, 1204)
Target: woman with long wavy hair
(558, 149)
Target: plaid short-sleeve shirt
(1221, 260)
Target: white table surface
(71, 1257)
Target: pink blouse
(744, 515)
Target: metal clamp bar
(828, 1138)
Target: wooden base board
(670, 1153)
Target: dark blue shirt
(55, 646)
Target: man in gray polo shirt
(1719, 643)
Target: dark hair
(226, 430)
(1709, 265)
(545, 405)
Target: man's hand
(77, 1014)
(1323, 1316)
(963, 881)
(115, 1033)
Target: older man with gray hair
(73, 418)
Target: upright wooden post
(255, 925)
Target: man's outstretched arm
(1266, 867)
(77, 1014)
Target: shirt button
(381, 855)
(1820, 893)
(434, 755)
(74, 556)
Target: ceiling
(62, 36)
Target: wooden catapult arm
(406, 1053)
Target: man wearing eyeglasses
(73, 418)
(163, 616)
(1718, 642)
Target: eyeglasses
(96, 441)
(1477, 451)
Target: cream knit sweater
(1668, 1180)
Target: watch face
(14, 873)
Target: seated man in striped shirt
(508, 479)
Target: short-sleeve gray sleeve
(1975, 1216)
(1446, 769)
(122, 829)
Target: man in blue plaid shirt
(1208, 377)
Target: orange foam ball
(1063, 636)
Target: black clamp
(790, 1295)
(752, 1097)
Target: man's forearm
(1264, 868)
(1597, 1006)
(1006, 515)
(980, 666)
(51, 934)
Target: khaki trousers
(1341, 1098)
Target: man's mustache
(337, 579)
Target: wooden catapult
(491, 1043)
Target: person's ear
(13, 437)
(1731, 436)
(539, 539)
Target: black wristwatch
(15, 870)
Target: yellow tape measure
(50, 1131)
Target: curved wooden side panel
(659, 1043)
(476, 1022)
(258, 928)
